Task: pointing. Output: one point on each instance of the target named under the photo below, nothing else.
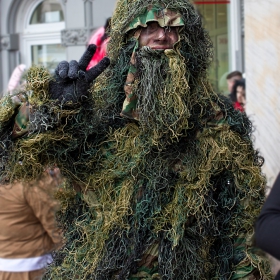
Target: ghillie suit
(171, 189)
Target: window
(42, 35)
(47, 55)
(215, 18)
(48, 11)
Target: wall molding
(9, 42)
(74, 37)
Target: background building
(262, 77)
(46, 31)
(224, 21)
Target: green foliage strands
(148, 205)
(188, 206)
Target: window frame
(39, 34)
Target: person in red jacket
(238, 95)
(100, 39)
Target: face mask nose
(161, 33)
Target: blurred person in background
(16, 82)
(100, 39)
(28, 230)
(238, 95)
(231, 78)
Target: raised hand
(72, 81)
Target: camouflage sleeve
(31, 110)
(21, 121)
(14, 112)
(8, 106)
(16, 109)
(40, 131)
(251, 263)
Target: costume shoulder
(39, 131)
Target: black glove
(72, 81)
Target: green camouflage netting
(173, 195)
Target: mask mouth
(147, 51)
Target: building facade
(262, 54)
(48, 31)
(224, 21)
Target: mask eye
(152, 26)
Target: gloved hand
(72, 81)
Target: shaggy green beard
(163, 93)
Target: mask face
(157, 37)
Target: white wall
(262, 55)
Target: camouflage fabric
(164, 17)
(244, 269)
(148, 266)
(129, 105)
(17, 105)
(21, 120)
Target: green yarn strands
(170, 193)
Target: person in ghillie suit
(163, 181)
